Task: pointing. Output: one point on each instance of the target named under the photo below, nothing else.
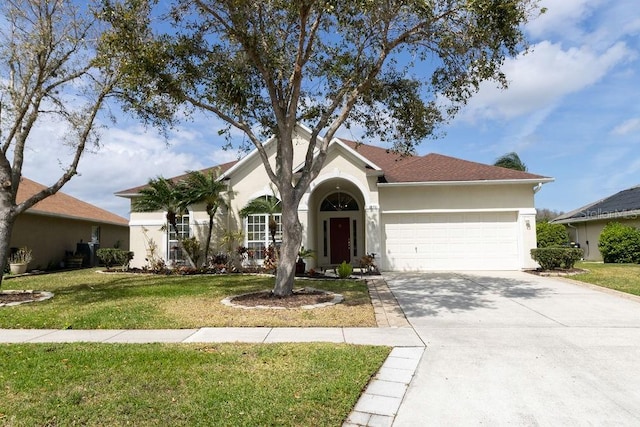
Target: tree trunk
(286, 272)
(208, 244)
(6, 226)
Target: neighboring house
(54, 226)
(415, 213)
(586, 223)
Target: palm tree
(205, 188)
(269, 205)
(161, 194)
(511, 161)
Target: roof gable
(63, 205)
(396, 168)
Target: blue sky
(572, 112)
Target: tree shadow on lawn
(127, 287)
(431, 294)
(123, 287)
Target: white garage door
(451, 241)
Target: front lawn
(183, 385)
(621, 277)
(85, 299)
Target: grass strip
(621, 277)
(183, 384)
(85, 299)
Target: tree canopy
(395, 68)
(511, 161)
(51, 71)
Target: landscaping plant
(344, 270)
(555, 258)
(113, 256)
(620, 243)
(551, 235)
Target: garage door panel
(457, 241)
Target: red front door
(340, 235)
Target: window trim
(258, 245)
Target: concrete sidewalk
(393, 337)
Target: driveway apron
(510, 348)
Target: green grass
(85, 299)
(621, 277)
(183, 385)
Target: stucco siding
(587, 234)
(49, 237)
(449, 197)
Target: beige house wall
(49, 237)
(464, 197)
(587, 234)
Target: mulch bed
(559, 273)
(298, 299)
(6, 298)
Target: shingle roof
(435, 167)
(412, 169)
(621, 204)
(63, 205)
(221, 168)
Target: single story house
(56, 225)
(586, 223)
(414, 213)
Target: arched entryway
(337, 214)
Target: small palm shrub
(344, 270)
(551, 235)
(620, 243)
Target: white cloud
(627, 127)
(541, 78)
(562, 18)
(128, 157)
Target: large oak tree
(397, 68)
(51, 72)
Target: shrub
(619, 243)
(551, 235)
(344, 270)
(192, 246)
(554, 258)
(112, 256)
(21, 256)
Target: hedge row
(113, 256)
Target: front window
(175, 254)
(258, 234)
(339, 202)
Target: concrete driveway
(510, 348)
